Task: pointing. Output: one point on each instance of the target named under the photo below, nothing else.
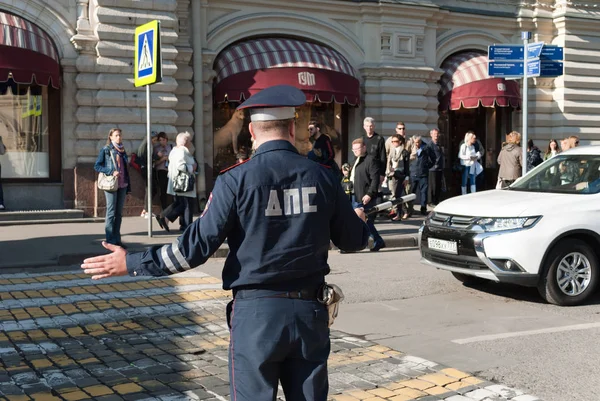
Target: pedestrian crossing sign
(147, 66)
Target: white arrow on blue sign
(534, 50)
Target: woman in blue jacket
(112, 160)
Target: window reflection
(24, 130)
(232, 140)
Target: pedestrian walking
(181, 162)
(510, 160)
(375, 145)
(365, 179)
(322, 150)
(161, 163)
(278, 212)
(112, 161)
(419, 172)
(142, 159)
(534, 155)
(436, 171)
(398, 172)
(2, 152)
(469, 156)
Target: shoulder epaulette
(234, 166)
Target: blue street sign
(505, 52)
(551, 69)
(533, 68)
(534, 50)
(505, 68)
(552, 52)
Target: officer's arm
(348, 231)
(196, 244)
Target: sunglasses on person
(396, 141)
(400, 128)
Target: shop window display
(232, 140)
(24, 130)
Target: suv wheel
(572, 273)
(468, 280)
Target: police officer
(278, 211)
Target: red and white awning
(465, 83)
(322, 73)
(27, 54)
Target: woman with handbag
(398, 172)
(113, 178)
(182, 167)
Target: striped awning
(322, 73)
(27, 54)
(465, 83)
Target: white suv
(544, 230)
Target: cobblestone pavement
(66, 337)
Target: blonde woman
(180, 159)
(468, 159)
(510, 160)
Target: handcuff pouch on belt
(330, 295)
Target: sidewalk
(62, 244)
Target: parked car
(543, 230)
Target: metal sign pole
(149, 150)
(525, 36)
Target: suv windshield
(571, 174)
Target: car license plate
(442, 245)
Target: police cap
(277, 102)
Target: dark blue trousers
(418, 186)
(373, 233)
(278, 339)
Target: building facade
(419, 62)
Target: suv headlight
(490, 224)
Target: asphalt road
(498, 332)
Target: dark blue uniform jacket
(278, 212)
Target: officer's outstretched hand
(112, 264)
(360, 212)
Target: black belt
(306, 294)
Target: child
(346, 183)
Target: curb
(50, 221)
(70, 259)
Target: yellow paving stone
(362, 358)
(5, 282)
(382, 392)
(437, 390)
(378, 348)
(455, 373)
(36, 334)
(393, 386)
(127, 388)
(344, 397)
(68, 308)
(5, 295)
(17, 281)
(62, 361)
(98, 390)
(410, 392)
(33, 294)
(400, 398)
(17, 335)
(75, 396)
(457, 386)
(360, 394)
(78, 290)
(75, 331)
(43, 279)
(416, 383)
(41, 363)
(3, 337)
(438, 379)
(18, 295)
(92, 289)
(393, 353)
(45, 397)
(376, 355)
(374, 399)
(17, 397)
(56, 333)
(472, 380)
(63, 291)
(133, 302)
(88, 360)
(52, 310)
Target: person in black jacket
(375, 147)
(419, 172)
(534, 155)
(365, 176)
(436, 157)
